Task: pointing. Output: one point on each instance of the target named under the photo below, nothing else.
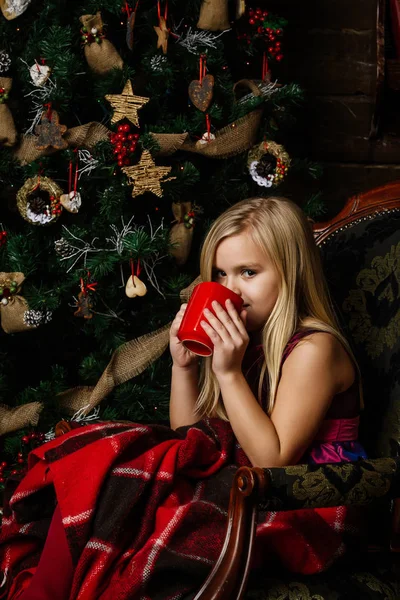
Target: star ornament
(126, 104)
(162, 32)
(146, 176)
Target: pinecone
(63, 248)
(266, 166)
(5, 61)
(34, 318)
(38, 206)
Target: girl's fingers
(231, 321)
(217, 325)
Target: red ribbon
(203, 60)
(265, 67)
(138, 268)
(159, 11)
(70, 176)
(49, 111)
(87, 287)
(208, 123)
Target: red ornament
(3, 238)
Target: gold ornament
(52, 209)
(135, 287)
(146, 176)
(162, 32)
(126, 104)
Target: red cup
(191, 333)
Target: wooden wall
(335, 50)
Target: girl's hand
(181, 357)
(228, 333)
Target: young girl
(131, 506)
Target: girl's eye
(219, 274)
(250, 272)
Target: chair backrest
(361, 255)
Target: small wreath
(268, 164)
(38, 201)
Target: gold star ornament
(146, 176)
(162, 32)
(126, 104)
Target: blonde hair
(281, 230)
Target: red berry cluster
(3, 238)
(124, 144)
(20, 463)
(33, 437)
(56, 208)
(257, 18)
(3, 95)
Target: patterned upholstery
(362, 265)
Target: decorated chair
(361, 255)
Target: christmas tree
(125, 129)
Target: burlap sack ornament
(13, 419)
(181, 234)
(128, 361)
(102, 55)
(8, 133)
(12, 9)
(12, 306)
(214, 15)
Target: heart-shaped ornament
(39, 74)
(135, 287)
(201, 93)
(71, 202)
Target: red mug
(191, 333)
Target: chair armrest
(289, 488)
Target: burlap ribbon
(101, 57)
(12, 419)
(8, 133)
(128, 361)
(214, 15)
(12, 314)
(83, 136)
(235, 138)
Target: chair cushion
(362, 267)
(376, 579)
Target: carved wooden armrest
(289, 488)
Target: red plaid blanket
(144, 510)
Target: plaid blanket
(144, 509)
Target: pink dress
(337, 438)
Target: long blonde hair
(281, 230)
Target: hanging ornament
(35, 318)
(268, 164)
(214, 15)
(39, 74)
(162, 30)
(71, 201)
(146, 176)
(130, 24)
(124, 143)
(240, 8)
(12, 9)
(265, 28)
(5, 62)
(8, 133)
(126, 104)
(50, 131)
(84, 303)
(38, 201)
(63, 248)
(181, 234)
(207, 137)
(100, 53)
(134, 286)
(12, 305)
(201, 90)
